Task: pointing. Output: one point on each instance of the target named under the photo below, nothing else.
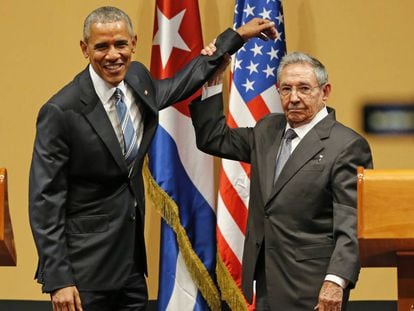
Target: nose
(112, 53)
(294, 95)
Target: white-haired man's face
(300, 94)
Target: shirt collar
(103, 89)
(302, 130)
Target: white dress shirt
(105, 92)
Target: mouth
(295, 110)
(113, 68)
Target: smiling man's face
(109, 48)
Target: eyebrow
(301, 83)
(121, 42)
(100, 45)
(105, 44)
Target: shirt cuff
(209, 91)
(337, 280)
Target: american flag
(253, 94)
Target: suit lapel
(145, 100)
(307, 149)
(97, 117)
(143, 91)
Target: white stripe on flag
(238, 109)
(184, 294)
(229, 229)
(198, 165)
(238, 178)
(272, 99)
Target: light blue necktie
(285, 151)
(130, 138)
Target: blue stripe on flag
(167, 264)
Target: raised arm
(198, 71)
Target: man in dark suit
(301, 244)
(86, 188)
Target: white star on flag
(273, 53)
(279, 18)
(279, 36)
(167, 36)
(265, 14)
(269, 71)
(257, 49)
(237, 64)
(249, 10)
(248, 85)
(252, 67)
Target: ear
(134, 43)
(326, 92)
(84, 48)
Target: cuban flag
(253, 94)
(182, 176)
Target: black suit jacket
(308, 218)
(86, 212)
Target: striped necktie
(285, 151)
(130, 146)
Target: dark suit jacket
(308, 219)
(87, 229)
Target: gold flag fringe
(230, 292)
(168, 210)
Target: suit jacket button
(266, 215)
(132, 217)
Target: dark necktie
(285, 151)
(130, 147)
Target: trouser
(133, 296)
